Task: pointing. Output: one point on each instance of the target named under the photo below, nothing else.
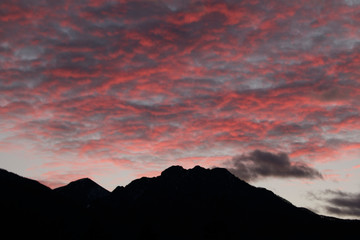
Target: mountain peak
(199, 168)
(173, 171)
(197, 171)
(83, 191)
(177, 170)
(83, 182)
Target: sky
(119, 89)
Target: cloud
(342, 203)
(150, 79)
(333, 93)
(352, 2)
(260, 164)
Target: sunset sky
(118, 89)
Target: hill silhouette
(83, 191)
(196, 203)
(31, 209)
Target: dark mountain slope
(31, 209)
(24, 203)
(83, 191)
(208, 204)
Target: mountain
(32, 210)
(83, 191)
(24, 203)
(210, 204)
(196, 203)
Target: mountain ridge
(195, 203)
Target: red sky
(116, 89)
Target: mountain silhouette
(197, 203)
(31, 209)
(83, 191)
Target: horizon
(115, 90)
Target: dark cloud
(290, 129)
(258, 164)
(333, 93)
(343, 203)
(338, 202)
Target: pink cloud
(139, 80)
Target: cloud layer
(141, 83)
